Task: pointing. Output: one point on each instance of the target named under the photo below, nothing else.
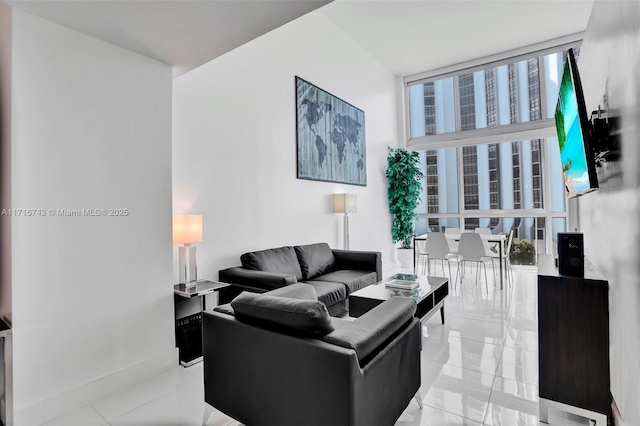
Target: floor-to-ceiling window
(487, 142)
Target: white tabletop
(493, 238)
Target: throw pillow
(297, 316)
(315, 259)
(282, 260)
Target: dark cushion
(315, 259)
(352, 280)
(225, 309)
(301, 317)
(282, 260)
(372, 329)
(295, 291)
(329, 293)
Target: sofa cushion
(282, 260)
(295, 291)
(352, 280)
(298, 316)
(329, 293)
(315, 259)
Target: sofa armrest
(259, 280)
(367, 333)
(359, 260)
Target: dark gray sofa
(333, 273)
(278, 358)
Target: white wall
(92, 296)
(234, 150)
(609, 218)
(5, 162)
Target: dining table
(497, 239)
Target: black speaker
(189, 337)
(571, 254)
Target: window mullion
(456, 102)
(461, 207)
(542, 81)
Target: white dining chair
(489, 247)
(420, 253)
(471, 248)
(507, 258)
(437, 248)
(482, 231)
(449, 232)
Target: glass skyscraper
(472, 181)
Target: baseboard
(72, 399)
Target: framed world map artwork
(330, 137)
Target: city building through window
(486, 137)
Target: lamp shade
(345, 203)
(187, 228)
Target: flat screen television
(573, 127)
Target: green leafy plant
(403, 175)
(522, 246)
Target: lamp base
(345, 230)
(188, 275)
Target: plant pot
(405, 256)
(523, 258)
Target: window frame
(542, 129)
(538, 129)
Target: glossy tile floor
(479, 368)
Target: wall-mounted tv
(573, 126)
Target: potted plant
(523, 253)
(403, 174)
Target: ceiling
(182, 33)
(406, 36)
(410, 37)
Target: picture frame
(330, 137)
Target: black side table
(189, 302)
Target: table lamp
(345, 203)
(187, 229)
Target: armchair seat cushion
(304, 317)
(371, 330)
(351, 279)
(328, 293)
(282, 260)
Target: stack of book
(403, 282)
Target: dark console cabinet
(573, 340)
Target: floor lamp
(345, 203)
(187, 229)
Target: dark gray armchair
(278, 358)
